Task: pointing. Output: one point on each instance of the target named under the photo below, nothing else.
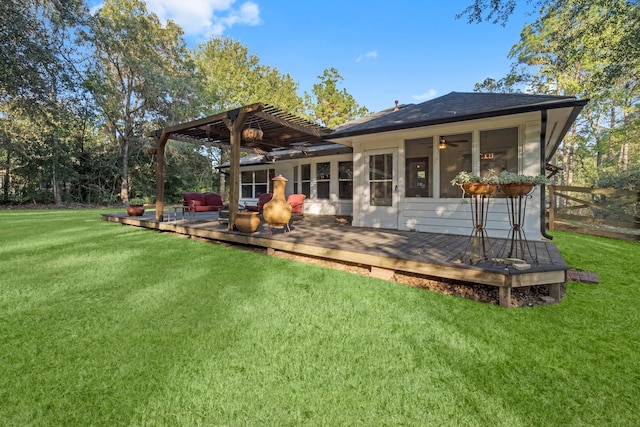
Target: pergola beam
(288, 124)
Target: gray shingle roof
(453, 107)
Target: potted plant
(513, 184)
(475, 184)
(136, 206)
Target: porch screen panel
(418, 167)
(381, 179)
(455, 156)
(499, 150)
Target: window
(323, 179)
(381, 179)
(345, 180)
(418, 155)
(499, 150)
(305, 179)
(455, 156)
(255, 183)
(296, 179)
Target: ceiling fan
(444, 143)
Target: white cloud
(431, 93)
(206, 17)
(373, 54)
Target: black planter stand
(479, 244)
(516, 245)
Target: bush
(624, 180)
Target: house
(393, 169)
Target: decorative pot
(514, 190)
(277, 212)
(479, 188)
(135, 210)
(247, 222)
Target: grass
(108, 325)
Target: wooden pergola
(280, 130)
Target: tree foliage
(30, 49)
(232, 77)
(330, 106)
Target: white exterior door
(380, 198)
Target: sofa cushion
(212, 199)
(297, 203)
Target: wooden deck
(381, 250)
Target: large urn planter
(247, 222)
(277, 212)
(135, 210)
(479, 188)
(515, 190)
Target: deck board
(431, 254)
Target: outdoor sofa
(202, 202)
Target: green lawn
(108, 325)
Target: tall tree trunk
(124, 185)
(55, 182)
(624, 144)
(7, 174)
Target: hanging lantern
(251, 134)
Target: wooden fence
(604, 212)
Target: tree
(142, 77)
(621, 50)
(495, 11)
(232, 78)
(29, 51)
(331, 106)
(37, 84)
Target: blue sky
(409, 50)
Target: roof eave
(577, 109)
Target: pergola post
(161, 142)
(235, 122)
